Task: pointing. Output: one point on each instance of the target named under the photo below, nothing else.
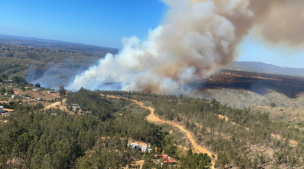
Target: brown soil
(35, 94)
(57, 105)
(139, 163)
(292, 143)
(9, 110)
(223, 117)
(42, 94)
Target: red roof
(165, 155)
(169, 160)
(166, 159)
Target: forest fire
(255, 82)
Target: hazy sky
(106, 22)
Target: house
(37, 89)
(51, 91)
(144, 147)
(166, 159)
(14, 96)
(15, 162)
(4, 113)
(6, 93)
(75, 107)
(1, 109)
(39, 99)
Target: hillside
(57, 45)
(258, 83)
(53, 67)
(92, 125)
(241, 138)
(266, 68)
(100, 135)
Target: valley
(232, 119)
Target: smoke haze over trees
(194, 39)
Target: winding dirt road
(154, 119)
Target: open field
(31, 99)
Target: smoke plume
(196, 38)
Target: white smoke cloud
(195, 38)
(181, 50)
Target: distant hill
(266, 68)
(57, 45)
(50, 67)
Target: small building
(39, 99)
(75, 107)
(15, 162)
(142, 146)
(51, 91)
(166, 159)
(6, 93)
(14, 96)
(37, 89)
(1, 109)
(4, 114)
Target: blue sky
(106, 22)
(96, 22)
(253, 49)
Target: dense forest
(98, 137)
(35, 138)
(240, 137)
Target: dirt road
(154, 119)
(9, 110)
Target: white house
(5, 114)
(143, 147)
(14, 96)
(75, 107)
(37, 89)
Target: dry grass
(244, 98)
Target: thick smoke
(195, 38)
(54, 75)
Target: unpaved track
(154, 119)
(9, 110)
